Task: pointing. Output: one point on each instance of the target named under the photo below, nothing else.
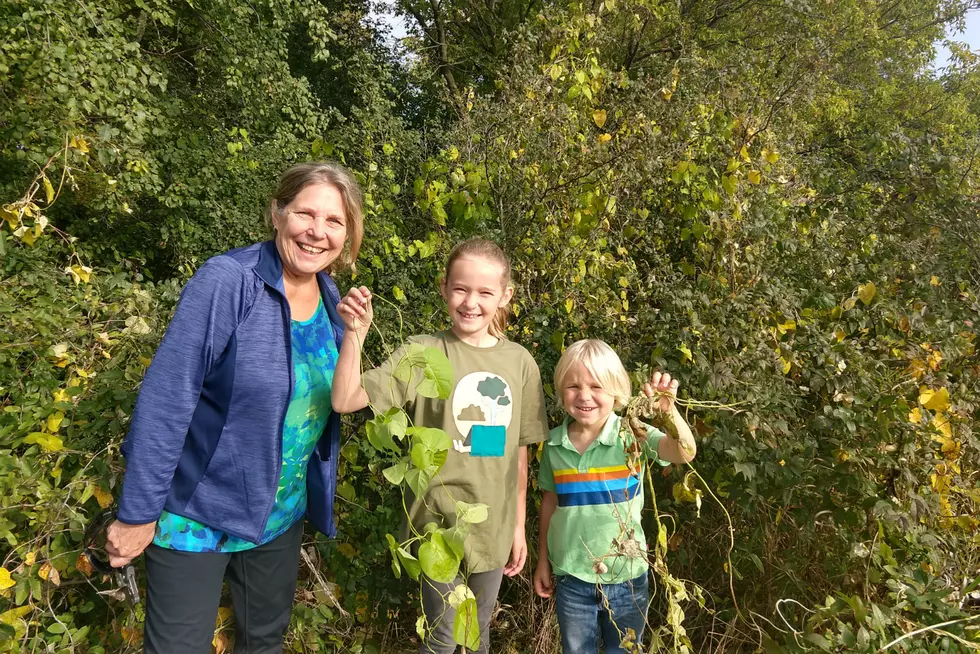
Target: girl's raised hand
(665, 388)
(356, 311)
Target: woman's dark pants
(183, 590)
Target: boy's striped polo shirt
(599, 500)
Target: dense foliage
(778, 202)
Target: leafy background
(779, 202)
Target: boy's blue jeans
(590, 613)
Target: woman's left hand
(665, 388)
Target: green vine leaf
(471, 513)
(466, 628)
(439, 562)
(396, 473)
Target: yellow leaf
(61, 396)
(787, 365)
(941, 422)
(866, 292)
(915, 416)
(48, 189)
(44, 570)
(686, 351)
(54, 421)
(744, 153)
(48, 442)
(225, 614)
(10, 617)
(934, 281)
(11, 217)
(103, 497)
(30, 558)
(398, 293)
(82, 272)
(839, 334)
(934, 400)
(5, 580)
(78, 142)
(83, 565)
(599, 117)
(569, 303)
(604, 138)
(755, 177)
(787, 326)
(782, 462)
(770, 156)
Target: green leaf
(456, 537)
(438, 560)
(410, 563)
(438, 372)
(378, 434)
(471, 513)
(459, 595)
(466, 627)
(434, 439)
(396, 567)
(397, 421)
(396, 473)
(418, 480)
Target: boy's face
(584, 398)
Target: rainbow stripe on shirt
(608, 485)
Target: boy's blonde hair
(603, 364)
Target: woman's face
(311, 230)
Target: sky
(384, 11)
(970, 35)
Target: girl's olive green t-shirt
(496, 406)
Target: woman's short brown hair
(299, 176)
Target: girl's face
(584, 398)
(474, 291)
(312, 230)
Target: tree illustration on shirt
(483, 408)
(495, 390)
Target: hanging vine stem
(437, 551)
(647, 407)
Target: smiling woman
(234, 438)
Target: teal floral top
(314, 360)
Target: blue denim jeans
(592, 613)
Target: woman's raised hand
(356, 311)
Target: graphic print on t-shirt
(482, 409)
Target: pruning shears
(94, 547)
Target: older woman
(233, 438)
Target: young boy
(591, 536)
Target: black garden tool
(94, 544)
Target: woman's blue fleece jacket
(206, 436)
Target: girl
(591, 536)
(496, 409)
